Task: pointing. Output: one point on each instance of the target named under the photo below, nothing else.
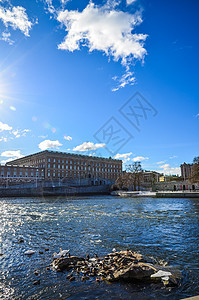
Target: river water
(164, 230)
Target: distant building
(63, 166)
(151, 177)
(168, 178)
(186, 170)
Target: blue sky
(105, 78)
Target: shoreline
(159, 194)
(90, 191)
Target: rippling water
(165, 230)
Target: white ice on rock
(162, 274)
(29, 252)
(61, 253)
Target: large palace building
(59, 166)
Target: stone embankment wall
(175, 186)
(53, 191)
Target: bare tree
(131, 178)
(195, 170)
(136, 174)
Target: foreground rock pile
(117, 266)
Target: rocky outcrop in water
(67, 263)
(116, 266)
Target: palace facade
(59, 165)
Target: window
(54, 166)
(48, 165)
(58, 166)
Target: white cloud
(161, 162)
(3, 139)
(16, 133)
(13, 154)
(129, 2)
(125, 156)
(20, 132)
(173, 156)
(139, 158)
(105, 29)
(68, 138)
(127, 78)
(4, 126)
(87, 146)
(49, 144)
(16, 17)
(6, 38)
(168, 170)
(6, 161)
(197, 116)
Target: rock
(36, 273)
(72, 278)
(29, 252)
(1, 254)
(47, 249)
(169, 281)
(123, 265)
(47, 268)
(132, 271)
(36, 282)
(21, 240)
(41, 252)
(63, 263)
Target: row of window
(53, 160)
(22, 175)
(82, 168)
(82, 175)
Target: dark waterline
(165, 230)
